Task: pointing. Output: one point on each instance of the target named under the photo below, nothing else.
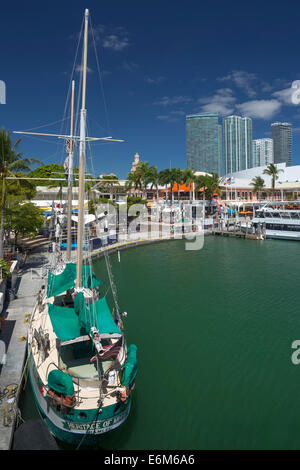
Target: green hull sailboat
(81, 371)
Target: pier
(237, 234)
(13, 335)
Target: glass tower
(282, 138)
(263, 152)
(204, 142)
(237, 133)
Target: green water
(214, 330)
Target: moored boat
(81, 371)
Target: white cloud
(285, 96)
(115, 42)
(156, 81)
(260, 109)
(129, 66)
(111, 37)
(242, 80)
(79, 68)
(221, 102)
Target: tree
(143, 175)
(25, 220)
(189, 177)
(154, 179)
(11, 162)
(272, 171)
(258, 184)
(110, 181)
(179, 175)
(52, 171)
(132, 182)
(164, 179)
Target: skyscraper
(282, 138)
(204, 142)
(237, 133)
(263, 152)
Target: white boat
(278, 222)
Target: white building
(263, 152)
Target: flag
(66, 167)
(111, 351)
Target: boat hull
(73, 428)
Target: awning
(67, 325)
(59, 283)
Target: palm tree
(143, 176)
(132, 182)
(179, 180)
(154, 179)
(189, 177)
(11, 162)
(272, 171)
(200, 183)
(173, 177)
(164, 179)
(258, 184)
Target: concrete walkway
(13, 337)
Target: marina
(149, 233)
(237, 336)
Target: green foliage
(135, 200)
(53, 170)
(24, 219)
(4, 269)
(272, 171)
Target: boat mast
(70, 179)
(82, 150)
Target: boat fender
(123, 392)
(66, 401)
(44, 391)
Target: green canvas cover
(68, 324)
(130, 368)
(60, 382)
(59, 283)
(64, 322)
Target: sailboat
(81, 371)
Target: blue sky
(159, 61)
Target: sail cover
(69, 323)
(59, 283)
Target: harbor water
(214, 329)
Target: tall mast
(82, 150)
(70, 179)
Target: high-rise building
(262, 152)
(204, 143)
(282, 138)
(237, 132)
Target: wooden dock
(237, 234)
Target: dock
(13, 336)
(237, 234)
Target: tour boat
(277, 222)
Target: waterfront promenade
(13, 335)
